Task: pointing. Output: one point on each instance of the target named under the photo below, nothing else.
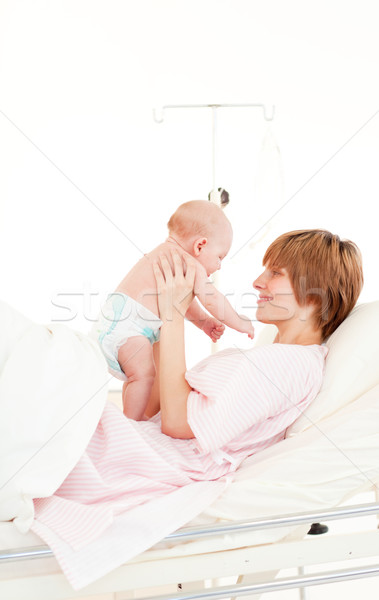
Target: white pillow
(53, 388)
(13, 325)
(352, 364)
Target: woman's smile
(262, 299)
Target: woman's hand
(174, 285)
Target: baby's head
(202, 229)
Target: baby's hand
(247, 327)
(214, 328)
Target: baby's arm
(218, 305)
(196, 314)
(211, 326)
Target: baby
(129, 323)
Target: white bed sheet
(322, 466)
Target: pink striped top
(245, 400)
(242, 402)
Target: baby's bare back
(140, 284)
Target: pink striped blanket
(134, 485)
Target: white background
(89, 180)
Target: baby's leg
(136, 360)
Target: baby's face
(217, 247)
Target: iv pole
(159, 115)
(215, 195)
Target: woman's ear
(199, 245)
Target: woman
(212, 417)
(311, 282)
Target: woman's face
(276, 302)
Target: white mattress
(317, 467)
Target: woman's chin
(266, 321)
(271, 317)
(263, 318)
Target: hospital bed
(328, 462)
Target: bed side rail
(191, 533)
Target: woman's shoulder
(292, 367)
(292, 348)
(267, 356)
(304, 355)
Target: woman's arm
(175, 293)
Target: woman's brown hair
(323, 269)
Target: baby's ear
(199, 245)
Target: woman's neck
(303, 336)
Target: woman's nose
(259, 282)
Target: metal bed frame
(255, 567)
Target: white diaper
(122, 317)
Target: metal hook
(158, 111)
(266, 117)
